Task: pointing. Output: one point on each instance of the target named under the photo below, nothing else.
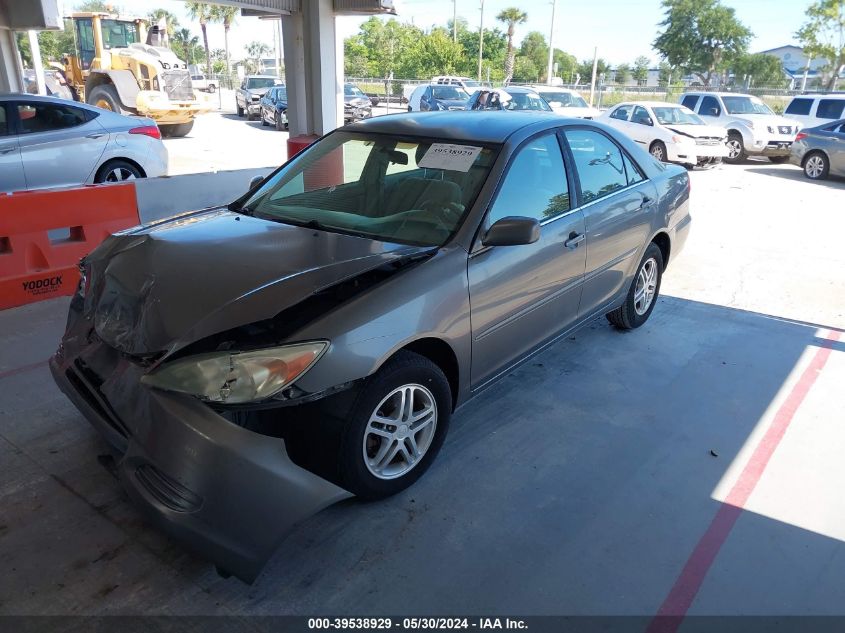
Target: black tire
(409, 109)
(626, 317)
(176, 131)
(279, 125)
(406, 368)
(735, 138)
(106, 96)
(778, 160)
(212, 88)
(111, 171)
(658, 150)
(811, 163)
(239, 109)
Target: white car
(567, 102)
(50, 142)
(670, 132)
(813, 110)
(753, 129)
(201, 82)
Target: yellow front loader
(117, 67)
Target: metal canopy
(288, 7)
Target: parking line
(20, 370)
(686, 587)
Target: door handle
(95, 135)
(574, 240)
(646, 201)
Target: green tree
(226, 15)
(170, 20)
(511, 16)
(204, 13)
(525, 70)
(255, 50)
(640, 72)
(823, 36)
(495, 50)
(535, 48)
(566, 63)
(54, 45)
(667, 74)
(435, 54)
(759, 69)
(98, 5)
(184, 44)
(585, 69)
(701, 36)
(622, 74)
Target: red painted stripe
(677, 603)
(20, 370)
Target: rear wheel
(263, 119)
(816, 166)
(736, 148)
(279, 125)
(642, 295)
(175, 131)
(239, 109)
(777, 160)
(117, 171)
(212, 88)
(658, 150)
(105, 96)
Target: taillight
(800, 136)
(147, 130)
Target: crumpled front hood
(698, 131)
(160, 287)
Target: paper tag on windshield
(451, 157)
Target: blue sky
(622, 29)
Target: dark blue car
(274, 107)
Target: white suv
(812, 110)
(753, 129)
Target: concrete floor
(593, 480)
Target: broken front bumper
(226, 492)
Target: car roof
(652, 104)
(515, 89)
(479, 125)
(707, 93)
(820, 95)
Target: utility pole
(455, 21)
(593, 82)
(480, 40)
(551, 47)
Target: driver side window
(535, 186)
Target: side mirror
(255, 181)
(648, 121)
(512, 231)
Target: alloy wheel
(119, 174)
(814, 167)
(400, 431)
(734, 148)
(646, 286)
(657, 152)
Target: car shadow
(797, 175)
(256, 123)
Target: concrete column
(313, 69)
(11, 75)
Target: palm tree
(226, 15)
(170, 20)
(511, 16)
(205, 14)
(256, 50)
(186, 43)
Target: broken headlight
(237, 377)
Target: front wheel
(279, 125)
(816, 166)
(263, 119)
(239, 109)
(212, 88)
(736, 148)
(396, 427)
(658, 150)
(642, 295)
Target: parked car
(274, 107)
(437, 97)
(469, 85)
(50, 142)
(753, 129)
(670, 132)
(512, 98)
(820, 151)
(341, 310)
(816, 109)
(201, 82)
(248, 96)
(356, 105)
(566, 102)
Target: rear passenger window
(621, 113)
(36, 116)
(689, 101)
(799, 106)
(830, 108)
(535, 185)
(710, 107)
(599, 161)
(632, 171)
(4, 125)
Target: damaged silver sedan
(255, 363)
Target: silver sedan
(820, 151)
(50, 142)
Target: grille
(708, 141)
(166, 490)
(177, 85)
(255, 98)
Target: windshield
(118, 34)
(565, 99)
(745, 105)
(677, 116)
(449, 92)
(351, 90)
(526, 101)
(408, 190)
(281, 94)
(260, 82)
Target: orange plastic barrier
(33, 266)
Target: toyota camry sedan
(254, 363)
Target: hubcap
(400, 431)
(646, 286)
(657, 152)
(814, 166)
(734, 148)
(119, 174)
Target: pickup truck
(248, 96)
(201, 82)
